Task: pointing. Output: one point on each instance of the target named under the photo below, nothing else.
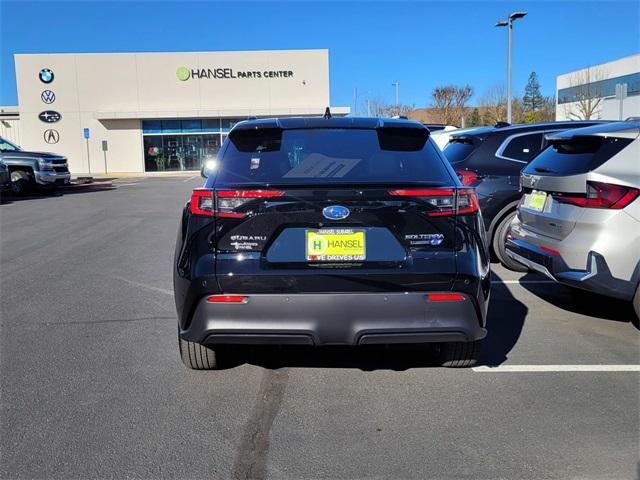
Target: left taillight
(446, 201)
(225, 203)
(201, 202)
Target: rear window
(321, 156)
(576, 156)
(457, 151)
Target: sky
(371, 44)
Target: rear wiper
(544, 170)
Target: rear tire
(636, 306)
(500, 242)
(460, 354)
(198, 357)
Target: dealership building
(158, 112)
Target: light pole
(397, 85)
(509, 23)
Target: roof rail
(502, 124)
(327, 113)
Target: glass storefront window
(229, 123)
(185, 144)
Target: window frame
(505, 143)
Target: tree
(493, 104)
(587, 95)
(532, 99)
(474, 118)
(376, 107)
(449, 102)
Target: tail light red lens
(467, 177)
(445, 297)
(202, 202)
(227, 299)
(446, 201)
(227, 201)
(549, 250)
(601, 195)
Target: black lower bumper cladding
(335, 319)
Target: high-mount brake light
(228, 201)
(445, 297)
(446, 201)
(601, 195)
(227, 299)
(201, 202)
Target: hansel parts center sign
(184, 73)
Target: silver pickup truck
(33, 169)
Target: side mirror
(208, 168)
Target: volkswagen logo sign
(48, 96)
(46, 75)
(335, 212)
(49, 116)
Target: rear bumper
(596, 276)
(335, 319)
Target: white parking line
(522, 282)
(556, 368)
(190, 178)
(143, 285)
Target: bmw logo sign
(46, 75)
(335, 212)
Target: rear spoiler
(630, 129)
(393, 134)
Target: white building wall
(609, 107)
(110, 93)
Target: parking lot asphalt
(92, 385)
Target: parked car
(322, 231)
(5, 177)
(441, 137)
(490, 159)
(579, 220)
(31, 169)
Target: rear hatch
(342, 210)
(557, 184)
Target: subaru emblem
(335, 212)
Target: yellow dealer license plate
(537, 200)
(335, 245)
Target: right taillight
(445, 201)
(467, 177)
(601, 195)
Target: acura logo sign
(51, 136)
(49, 116)
(48, 96)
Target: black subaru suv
(490, 159)
(325, 231)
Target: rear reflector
(227, 299)
(549, 250)
(446, 201)
(445, 297)
(601, 195)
